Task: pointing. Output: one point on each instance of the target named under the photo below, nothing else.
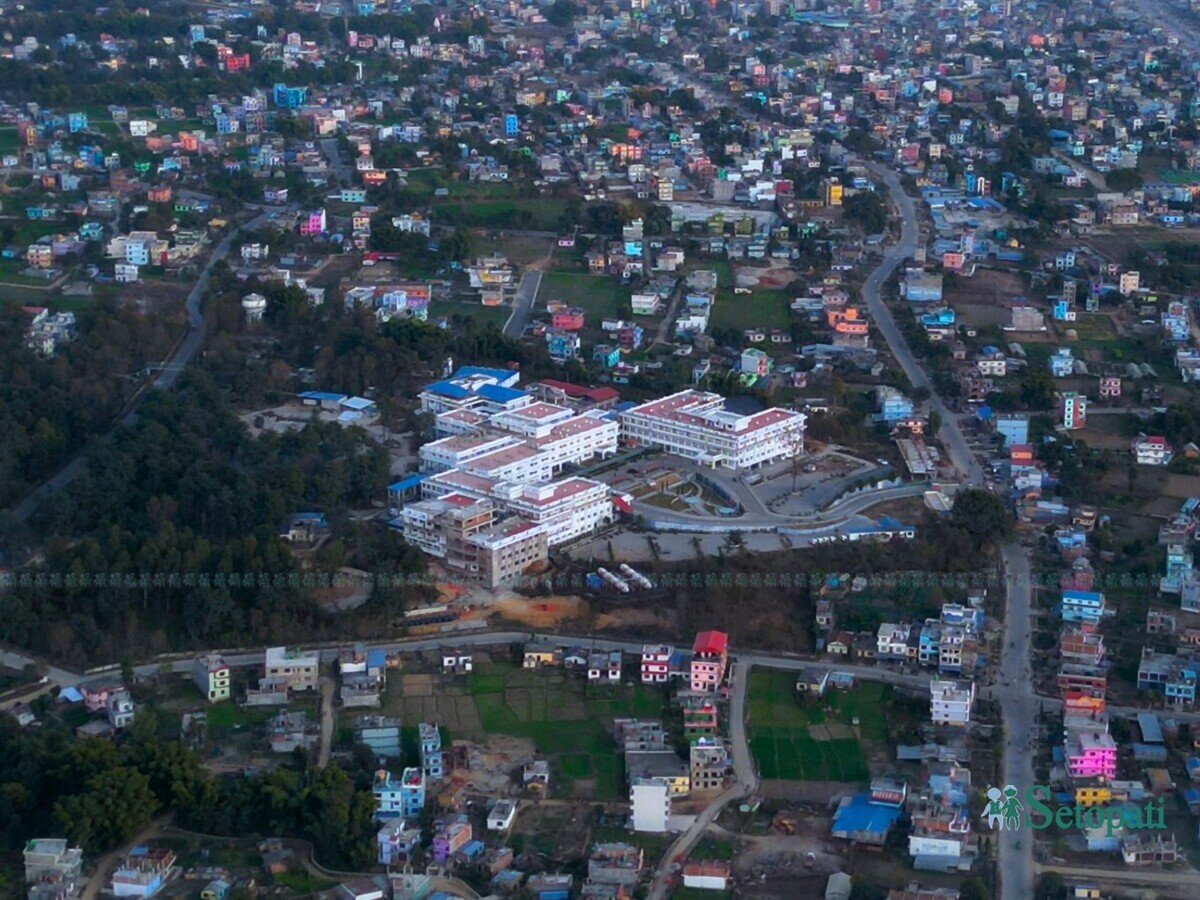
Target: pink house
(710, 654)
(314, 224)
(568, 319)
(1091, 754)
(96, 693)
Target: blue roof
(1151, 730)
(499, 394)
(1191, 795)
(322, 395)
(860, 814)
(448, 389)
(376, 658)
(468, 371)
(405, 484)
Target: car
(742, 290)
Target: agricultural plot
(599, 296)
(567, 720)
(817, 742)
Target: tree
(867, 209)
(1123, 180)
(1050, 886)
(117, 804)
(973, 889)
(982, 515)
(562, 13)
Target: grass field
(536, 214)
(475, 311)
(228, 715)
(567, 720)
(762, 309)
(782, 736)
(599, 296)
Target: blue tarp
(860, 816)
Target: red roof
(595, 394)
(711, 642)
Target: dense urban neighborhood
(600, 451)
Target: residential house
(710, 655)
(210, 673)
(656, 663)
(1171, 675)
(403, 797)
(650, 799)
(53, 868)
(950, 702)
(397, 840)
(143, 872)
(1083, 606)
(300, 668)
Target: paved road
(184, 352)
(527, 292)
(823, 521)
(333, 152)
(951, 431)
(328, 688)
(1015, 690)
(1019, 705)
(745, 781)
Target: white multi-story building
(891, 641)
(950, 702)
(125, 273)
(210, 672)
(301, 668)
(696, 425)
(1152, 451)
(456, 451)
(651, 802)
(656, 663)
(566, 509)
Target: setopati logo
(1007, 810)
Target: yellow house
(536, 657)
(1091, 795)
(680, 785)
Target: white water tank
(254, 305)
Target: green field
(477, 312)
(228, 715)
(537, 214)
(599, 296)
(762, 309)
(786, 738)
(568, 720)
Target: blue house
(1064, 310)
(512, 125)
(77, 121)
(1082, 606)
(289, 97)
(606, 355)
(938, 318)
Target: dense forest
(50, 407)
(187, 492)
(99, 793)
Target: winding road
(187, 348)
